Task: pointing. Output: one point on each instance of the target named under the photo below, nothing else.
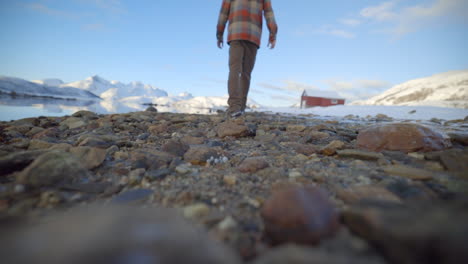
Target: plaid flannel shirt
(245, 20)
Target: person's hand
(220, 44)
(272, 44)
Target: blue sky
(357, 48)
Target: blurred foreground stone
(121, 235)
(422, 232)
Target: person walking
(244, 34)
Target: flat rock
(426, 232)
(355, 194)
(254, 164)
(52, 168)
(301, 215)
(409, 172)
(73, 122)
(133, 196)
(36, 144)
(113, 235)
(90, 157)
(360, 154)
(332, 147)
(232, 129)
(406, 137)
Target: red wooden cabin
(320, 98)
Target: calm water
(17, 108)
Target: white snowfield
(449, 89)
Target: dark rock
(88, 115)
(252, 165)
(113, 235)
(133, 196)
(150, 159)
(299, 214)
(158, 174)
(458, 137)
(151, 109)
(52, 168)
(95, 187)
(359, 154)
(175, 148)
(417, 233)
(454, 160)
(295, 254)
(406, 137)
(18, 161)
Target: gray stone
(52, 168)
(90, 157)
(133, 196)
(113, 235)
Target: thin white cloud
(41, 8)
(352, 22)
(288, 86)
(403, 20)
(381, 12)
(357, 89)
(112, 6)
(94, 27)
(305, 30)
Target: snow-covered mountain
(16, 86)
(116, 97)
(449, 89)
(116, 89)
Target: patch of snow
(397, 112)
(49, 82)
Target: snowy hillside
(16, 86)
(448, 89)
(116, 89)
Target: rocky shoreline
(264, 188)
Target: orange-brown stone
(301, 215)
(405, 137)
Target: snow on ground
(397, 112)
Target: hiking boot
(236, 114)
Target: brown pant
(242, 56)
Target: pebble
(300, 215)
(196, 211)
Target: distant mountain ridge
(449, 89)
(20, 87)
